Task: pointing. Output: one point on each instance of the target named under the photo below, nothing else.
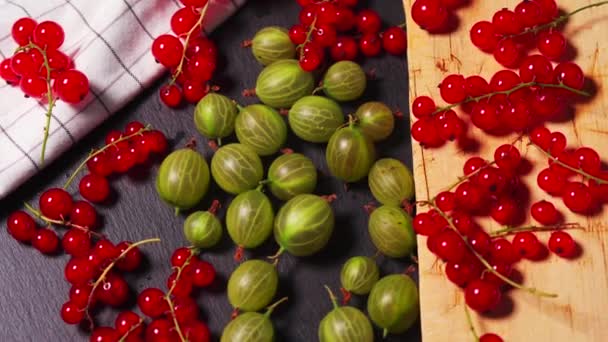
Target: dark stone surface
(32, 287)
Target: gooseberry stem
(573, 169)
(470, 322)
(96, 152)
(532, 228)
(50, 221)
(105, 272)
(273, 306)
(332, 297)
(509, 92)
(197, 26)
(556, 21)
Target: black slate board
(32, 287)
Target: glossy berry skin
(125, 321)
(170, 95)
(526, 244)
(345, 49)
(480, 241)
(167, 50)
(21, 226)
(562, 244)
(55, 204)
(345, 19)
(545, 213)
(71, 313)
(114, 291)
(7, 73)
(78, 271)
(482, 296)
(588, 159)
(506, 22)
(76, 242)
(462, 273)
(370, 44)
(476, 86)
(569, 74)
(483, 35)
(469, 196)
(297, 34)
(94, 188)
(183, 20)
(45, 241)
(423, 106)
(71, 86)
(193, 91)
(489, 337)
(368, 21)
(203, 273)
(507, 53)
(551, 44)
(430, 15)
(528, 13)
(33, 86)
(504, 210)
(449, 246)
(23, 30)
(502, 250)
(100, 164)
(157, 141)
(311, 57)
(180, 257)
(104, 334)
(507, 157)
(551, 182)
(49, 35)
(452, 89)
(152, 303)
(425, 132)
(536, 68)
(307, 14)
(129, 261)
(577, 197)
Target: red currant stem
(133, 328)
(332, 297)
(532, 228)
(470, 322)
(311, 29)
(277, 254)
(510, 91)
(96, 152)
(273, 306)
(170, 302)
(197, 26)
(463, 179)
(556, 21)
(487, 265)
(107, 270)
(573, 169)
(50, 221)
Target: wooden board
(578, 314)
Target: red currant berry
(569, 74)
(548, 10)
(480, 241)
(485, 116)
(94, 188)
(71, 313)
(170, 95)
(130, 261)
(184, 20)
(536, 68)
(7, 73)
(81, 295)
(200, 67)
(23, 64)
(551, 44)
(55, 204)
(180, 288)
(308, 14)
(203, 273)
(452, 89)
(197, 332)
(463, 222)
(23, 30)
(577, 197)
(201, 45)
(71, 86)
(186, 310)
(501, 250)
(430, 15)
(423, 106)
(476, 86)
(368, 21)
(325, 35)
(345, 19)
(33, 86)
(462, 273)
(551, 182)
(78, 271)
(104, 334)
(526, 244)
(57, 60)
(126, 322)
(541, 136)
(528, 13)
(424, 224)
(156, 141)
(504, 210)
(588, 159)
(297, 34)
(481, 295)
(425, 132)
(545, 213)
(507, 157)
(562, 244)
(45, 241)
(106, 250)
(491, 337)
(449, 125)
(311, 57)
(21, 226)
(516, 115)
(124, 160)
(114, 291)
(194, 91)
(133, 127)
(167, 50)
(450, 246)
(345, 49)
(152, 303)
(473, 164)
(483, 36)
(180, 257)
(326, 13)
(506, 22)
(370, 44)
(76, 242)
(48, 35)
(161, 330)
(445, 201)
(194, 3)
(394, 40)
(507, 53)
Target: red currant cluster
(532, 24)
(583, 197)
(42, 71)
(175, 314)
(320, 22)
(434, 15)
(192, 62)
(123, 151)
(480, 262)
(509, 102)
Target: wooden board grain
(578, 314)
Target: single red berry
(546, 103)
(485, 116)
(536, 68)
(114, 290)
(33, 86)
(57, 60)
(104, 334)
(133, 127)
(21, 226)
(326, 13)
(483, 35)
(194, 3)
(83, 214)
(200, 67)
(106, 250)
(463, 223)
(345, 49)
(100, 164)
(183, 20)
(94, 188)
(370, 44)
(157, 141)
(48, 35)
(197, 332)
(7, 73)
(492, 337)
(541, 136)
(126, 321)
(45, 241)
(55, 204)
(504, 210)
(491, 180)
(345, 19)
(423, 106)
(507, 157)
(425, 132)
(167, 50)
(180, 288)
(203, 273)
(23, 30)
(588, 159)
(161, 330)
(297, 34)
(476, 86)
(562, 244)
(201, 45)
(473, 164)
(445, 201)
(480, 241)
(23, 64)
(124, 160)
(450, 246)
(577, 197)
(81, 295)
(112, 139)
(506, 22)
(71, 86)
(424, 224)
(548, 10)
(502, 268)
(181, 256)
(551, 44)
(516, 115)
(130, 261)
(311, 57)
(545, 213)
(151, 302)
(76, 242)
(481, 295)
(569, 74)
(71, 313)
(526, 244)
(430, 15)
(528, 13)
(78, 271)
(449, 125)
(194, 91)
(325, 35)
(462, 273)
(452, 89)
(368, 21)
(502, 250)
(551, 182)
(170, 95)
(507, 53)
(308, 14)
(186, 310)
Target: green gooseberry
(359, 274)
(350, 154)
(261, 128)
(203, 229)
(236, 168)
(344, 81)
(252, 285)
(376, 120)
(304, 225)
(214, 116)
(290, 175)
(391, 182)
(315, 118)
(345, 324)
(183, 179)
(391, 231)
(393, 304)
(251, 327)
(249, 219)
(271, 44)
(282, 83)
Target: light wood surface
(579, 313)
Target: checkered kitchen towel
(110, 42)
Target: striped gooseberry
(376, 120)
(282, 83)
(391, 182)
(359, 274)
(391, 231)
(350, 154)
(290, 175)
(236, 168)
(214, 116)
(252, 285)
(315, 118)
(261, 128)
(393, 303)
(271, 44)
(344, 81)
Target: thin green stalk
(470, 322)
(573, 169)
(531, 228)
